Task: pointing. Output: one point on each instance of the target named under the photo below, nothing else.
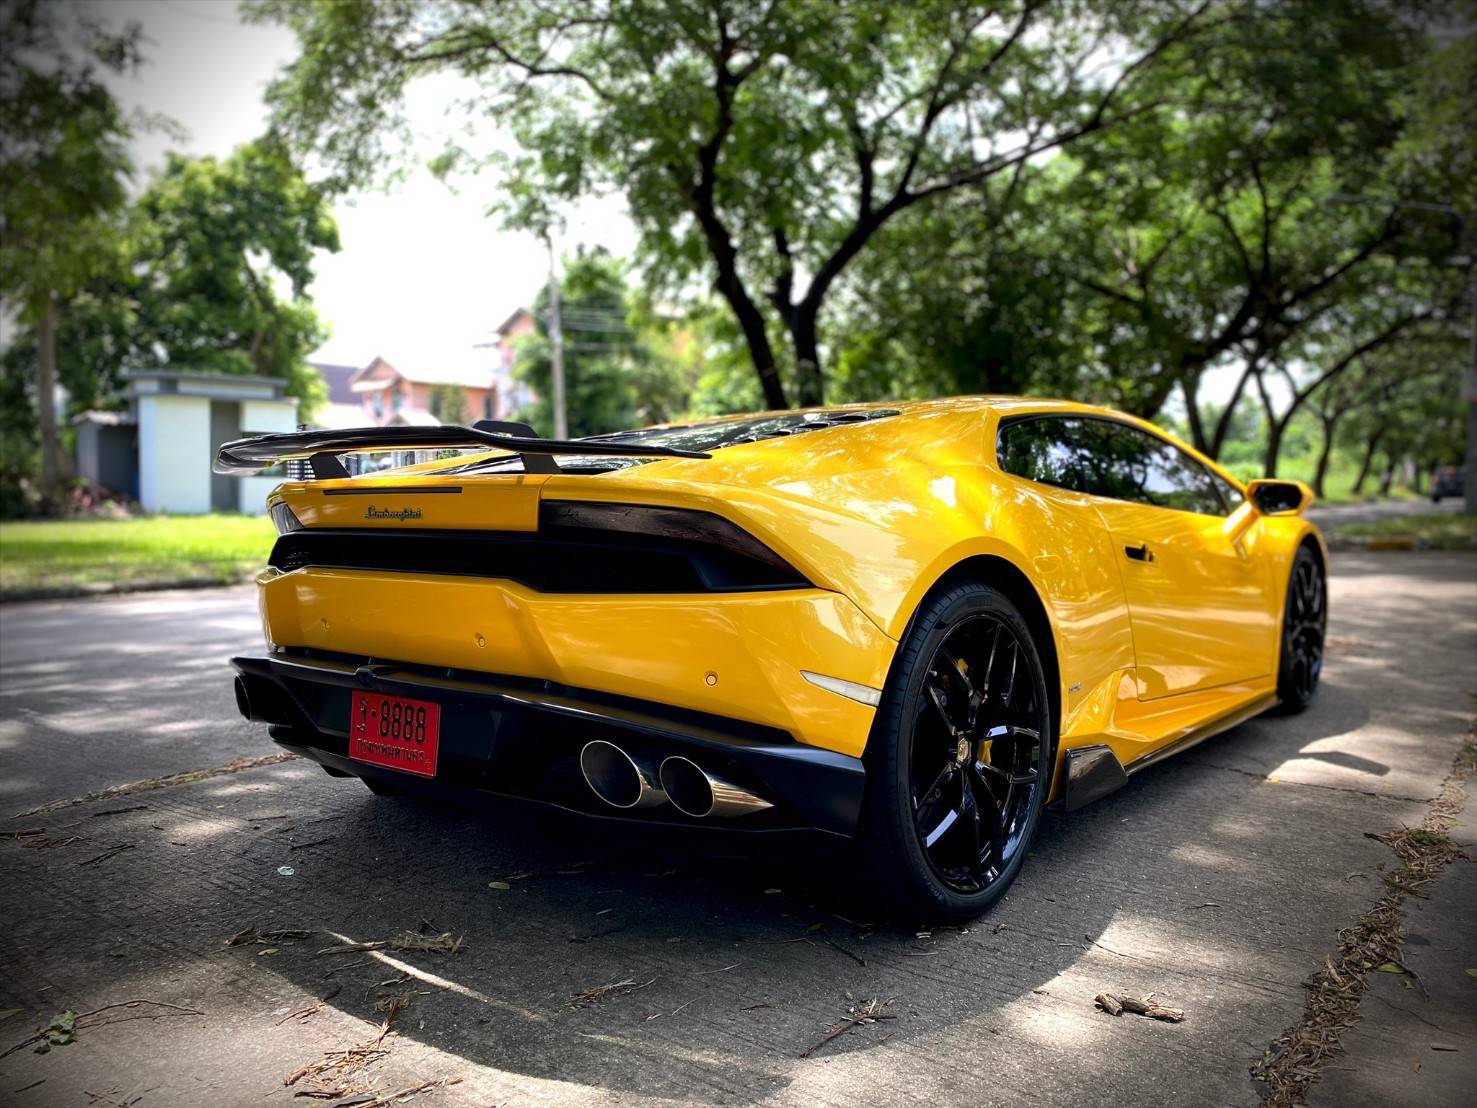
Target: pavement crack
(235, 765)
(1294, 1061)
(1318, 785)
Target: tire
(1304, 624)
(994, 754)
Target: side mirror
(1279, 498)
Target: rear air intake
(579, 548)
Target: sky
(423, 275)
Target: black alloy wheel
(1304, 623)
(960, 758)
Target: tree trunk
(809, 384)
(761, 354)
(1330, 424)
(1190, 390)
(730, 286)
(1275, 428)
(53, 463)
(1370, 446)
(1387, 476)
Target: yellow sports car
(913, 625)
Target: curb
(1388, 543)
(113, 588)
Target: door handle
(1139, 553)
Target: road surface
(1217, 881)
(1330, 517)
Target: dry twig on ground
(1115, 1004)
(856, 1016)
(129, 1005)
(590, 996)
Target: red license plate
(395, 731)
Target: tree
(763, 145)
(223, 258)
(448, 403)
(212, 265)
(998, 322)
(65, 166)
(613, 379)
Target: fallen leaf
(1444, 1046)
(268, 950)
(6, 1013)
(498, 885)
(1472, 972)
(1389, 967)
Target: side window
(1230, 494)
(1049, 450)
(1105, 458)
(1134, 465)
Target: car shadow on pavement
(595, 959)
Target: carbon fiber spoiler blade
(252, 455)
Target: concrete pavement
(1217, 880)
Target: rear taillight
(283, 518)
(679, 525)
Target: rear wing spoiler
(322, 448)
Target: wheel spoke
(940, 701)
(996, 816)
(1015, 661)
(1016, 737)
(994, 649)
(950, 818)
(969, 812)
(958, 671)
(927, 806)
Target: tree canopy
(761, 146)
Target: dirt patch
(1373, 944)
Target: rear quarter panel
(883, 522)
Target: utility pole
(556, 345)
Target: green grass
(1446, 531)
(157, 550)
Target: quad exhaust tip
(243, 698)
(628, 782)
(695, 792)
(619, 779)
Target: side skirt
(1095, 771)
